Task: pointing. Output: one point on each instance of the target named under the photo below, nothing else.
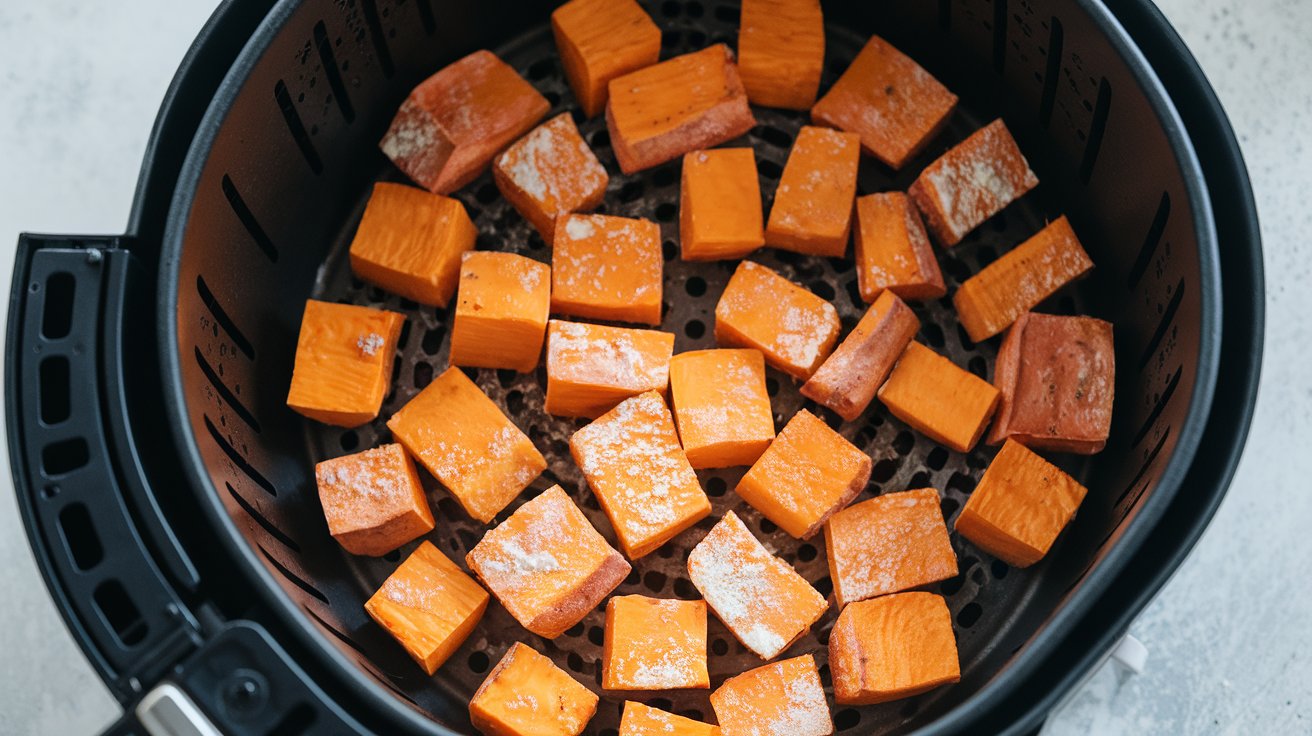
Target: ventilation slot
(296, 128)
(1167, 317)
(120, 612)
(426, 16)
(1146, 464)
(264, 523)
(1150, 243)
(370, 8)
(334, 74)
(1157, 410)
(238, 460)
(1052, 74)
(293, 577)
(64, 456)
(1097, 127)
(343, 638)
(252, 225)
(223, 319)
(297, 721)
(225, 393)
(57, 310)
(999, 35)
(80, 536)
(55, 401)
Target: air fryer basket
(277, 179)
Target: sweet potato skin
(847, 381)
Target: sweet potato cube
(719, 205)
(501, 312)
(599, 40)
(781, 52)
(895, 106)
(372, 500)
(343, 362)
(972, 182)
(607, 268)
(1020, 506)
(549, 173)
(547, 565)
(644, 720)
(893, 251)
(812, 210)
(1057, 377)
(847, 380)
(661, 112)
(591, 368)
(526, 694)
(947, 404)
(429, 605)
(464, 440)
(654, 644)
(807, 474)
(410, 243)
(780, 698)
(992, 299)
(452, 125)
(634, 464)
(793, 328)
(721, 406)
(892, 647)
(891, 542)
(762, 600)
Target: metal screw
(244, 693)
(94, 255)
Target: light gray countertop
(1230, 650)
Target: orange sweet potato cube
(634, 464)
(661, 112)
(464, 440)
(992, 299)
(945, 403)
(807, 474)
(847, 380)
(410, 243)
(891, 542)
(591, 368)
(526, 694)
(452, 125)
(429, 605)
(783, 698)
(762, 600)
(781, 52)
(972, 182)
(895, 106)
(549, 173)
(719, 205)
(893, 251)
(644, 720)
(793, 328)
(892, 647)
(343, 362)
(1057, 377)
(1020, 506)
(812, 210)
(654, 644)
(599, 40)
(721, 406)
(501, 311)
(373, 500)
(607, 268)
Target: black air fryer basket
(168, 491)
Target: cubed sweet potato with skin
(526, 694)
(891, 648)
(343, 364)
(452, 125)
(633, 463)
(607, 268)
(893, 251)
(812, 210)
(644, 720)
(808, 473)
(1020, 506)
(501, 311)
(460, 436)
(949, 405)
(759, 597)
(592, 368)
(599, 40)
(721, 406)
(547, 565)
(848, 379)
(890, 543)
(794, 329)
(783, 698)
(429, 605)
(372, 500)
(719, 205)
(894, 105)
(1057, 377)
(654, 644)
(410, 243)
(659, 113)
(549, 173)
(995, 297)
(972, 182)
(781, 52)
